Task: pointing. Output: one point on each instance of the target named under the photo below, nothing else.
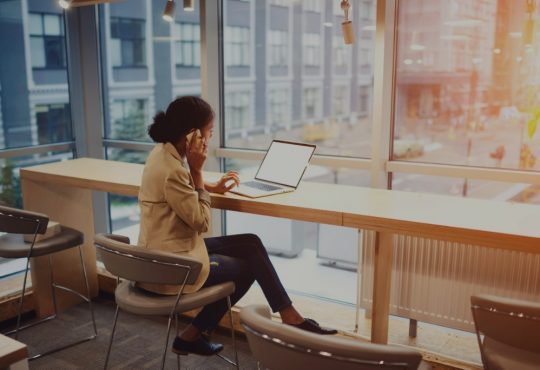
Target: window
(279, 47)
(311, 113)
(237, 51)
(467, 85)
(280, 2)
(365, 60)
(312, 49)
(363, 95)
(128, 42)
(237, 109)
(311, 103)
(340, 101)
(188, 46)
(367, 9)
(278, 107)
(47, 41)
(54, 123)
(31, 114)
(312, 5)
(341, 53)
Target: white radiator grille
(432, 280)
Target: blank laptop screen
(285, 163)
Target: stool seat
(142, 302)
(17, 222)
(14, 246)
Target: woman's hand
(225, 183)
(196, 153)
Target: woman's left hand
(226, 183)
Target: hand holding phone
(197, 150)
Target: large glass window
(237, 46)
(324, 98)
(47, 40)
(128, 42)
(132, 35)
(188, 44)
(468, 84)
(34, 96)
(324, 105)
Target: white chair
(508, 332)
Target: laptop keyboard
(261, 186)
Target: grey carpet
(138, 342)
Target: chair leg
(22, 299)
(88, 292)
(177, 356)
(86, 298)
(111, 339)
(166, 343)
(53, 295)
(232, 333)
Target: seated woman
(175, 211)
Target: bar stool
(16, 222)
(137, 264)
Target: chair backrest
(18, 221)
(143, 265)
(282, 347)
(509, 321)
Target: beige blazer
(173, 213)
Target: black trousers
(241, 259)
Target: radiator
(432, 280)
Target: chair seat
(14, 246)
(502, 356)
(141, 302)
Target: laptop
(280, 171)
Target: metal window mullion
(212, 88)
(383, 92)
(38, 149)
(82, 49)
(468, 172)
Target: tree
(131, 126)
(10, 186)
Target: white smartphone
(196, 133)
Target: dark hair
(182, 116)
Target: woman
(175, 211)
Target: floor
(138, 343)
(331, 301)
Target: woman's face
(208, 130)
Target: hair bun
(158, 129)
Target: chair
(156, 267)
(282, 347)
(16, 222)
(508, 332)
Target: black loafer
(198, 347)
(314, 327)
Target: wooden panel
(381, 287)
(11, 351)
(71, 207)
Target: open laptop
(280, 171)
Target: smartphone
(195, 132)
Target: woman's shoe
(198, 347)
(314, 327)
